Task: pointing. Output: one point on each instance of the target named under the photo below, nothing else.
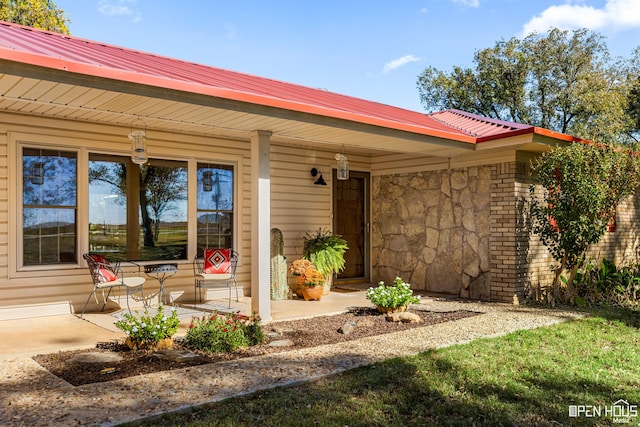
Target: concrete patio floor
(50, 334)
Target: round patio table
(161, 272)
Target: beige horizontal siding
(391, 164)
(73, 283)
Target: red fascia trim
(162, 82)
(557, 135)
(532, 130)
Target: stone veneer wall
(433, 230)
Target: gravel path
(31, 396)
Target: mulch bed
(303, 332)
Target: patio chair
(107, 275)
(215, 268)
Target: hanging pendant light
(138, 136)
(343, 166)
(207, 181)
(37, 173)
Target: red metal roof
(62, 52)
(475, 125)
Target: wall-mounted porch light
(207, 181)
(137, 136)
(343, 166)
(320, 180)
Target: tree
(633, 107)
(159, 188)
(42, 14)
(583, 184)
(561, 81)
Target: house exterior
(435, 199)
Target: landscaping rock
(281, 343)
(347, 328)
(404, 317)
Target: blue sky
(369, 49)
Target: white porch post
(260, 224)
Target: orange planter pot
(312, 292)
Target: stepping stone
(96, 357)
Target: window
(137, 212)
(215, 206)
(49, 207)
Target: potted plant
(326, 251)
(149, 332)
(310, 280)
(392, 298)
(297, 269)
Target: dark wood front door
(351, 220)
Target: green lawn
(524, 378)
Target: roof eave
(163, 82)
(533, 130)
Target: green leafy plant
(325, 250)
(604, 283)
(392, 296)
(219, 333)
(149, 328)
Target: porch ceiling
(31, 90)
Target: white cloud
(615, 15)
(116, 8)
(468, 3)
(397, 63)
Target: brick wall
(620, 246)
(509, 238)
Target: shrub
(397, 295)
(147, 327)
(604, 283)
(219, 333)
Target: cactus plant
(279, 286)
